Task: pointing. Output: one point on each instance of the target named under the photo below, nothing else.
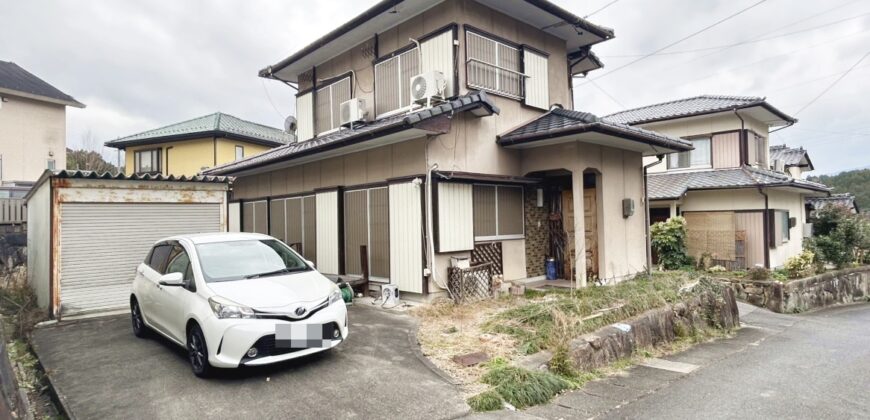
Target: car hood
(276, 293)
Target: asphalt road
(807, 366)
(101, 371)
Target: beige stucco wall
(188, 157)
(622, 249)
(31, 132)
(702, 125)
(794, 204)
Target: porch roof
(671, 186)
(560, 124)
(395, 128)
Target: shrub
(717, 269)
(668, 239)
(842, 238)
(801, 265)
(758, 273)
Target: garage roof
(75, 174)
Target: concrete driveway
(100, 370)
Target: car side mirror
(172, 279)
(310, 263)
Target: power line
(266, 91)
(834, 83)
(749, 41)
(600, 9)
(608, 95)
(693, 34)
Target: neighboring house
(793, 161)
(844, 200)
(32, 126)
(475, 159)
(188, 147)
(737, 207)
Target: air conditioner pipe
(430, 241)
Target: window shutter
(393, 81)
(537, 92)
(437, 55)
(771, 228)
(305, 116)
(510, 210)
(455, 230)
(484, 211)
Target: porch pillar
(673, 208)
(579, 227)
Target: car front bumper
(230, 339)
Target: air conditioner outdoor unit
(428, 86)
(352, 112)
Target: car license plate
(303, 336)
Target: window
(50, 164)
(147, 161)
(240, 152)
(778, 227)
(760, 150)
(698, 158)
(393, 81)
(327, 100)
(237, 260)
(179, 262)
(158, 257)
(493, 66)
(498, 212)
(784, 226)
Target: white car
(236, 299)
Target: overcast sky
(139, 65)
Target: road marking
(663, 364)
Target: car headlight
(225, 308)
(335, 295)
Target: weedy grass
(522, 387)
(535, 324)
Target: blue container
(551, 269)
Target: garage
(89, 232)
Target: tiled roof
(208, 125)
(560, 122)
(15, 78)
(789, 156)
(698, 105)
(672, 185)
(344, 137)
(846, 200)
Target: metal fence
(12, 211)
(470, 284)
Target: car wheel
(139, 328)
(197, 352)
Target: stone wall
(537, 234)
(655, 327)
(836, 287)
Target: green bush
(802, 265)
(758, 273)
(668, 239)
(841, 238)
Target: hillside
(856, 182)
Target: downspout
(430, 241)
(646, 212)
(744, 144)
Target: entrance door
(568, 224)
(590, 214)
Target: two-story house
(434, 131)
(32, 126)
(191, 146)
(742, 203)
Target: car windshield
(247, 259)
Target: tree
(668, 239)
(856, 182)
(87, 158)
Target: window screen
(393, 81)
(498, 212)
(327, 100)
(493, 66)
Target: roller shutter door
(101, 244)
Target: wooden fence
(12, 211)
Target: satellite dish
(290, 124)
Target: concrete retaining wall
(836, 287)
(655, 327)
